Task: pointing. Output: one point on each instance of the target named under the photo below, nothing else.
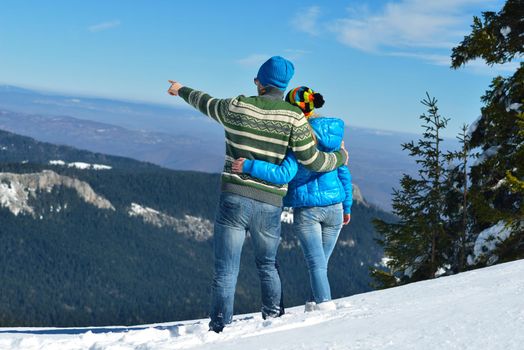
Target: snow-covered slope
(481, 309)
(194, 227)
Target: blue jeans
(237, 215)
(317, 229)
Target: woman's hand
(343, 149)
(347, 219)
(237, 166)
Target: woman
(321, 201)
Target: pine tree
(497, 38)
(457, 203)
(416, 244)
(495, 195)
(515, 184)
(513, 248)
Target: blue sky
(372, 60)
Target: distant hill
(180, 152)
(92, 239)
(130, 115)
(181, 138)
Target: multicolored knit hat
(306, 99)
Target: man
(259, 127)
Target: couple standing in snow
(277, 153)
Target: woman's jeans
(236, 215)
(317, 229)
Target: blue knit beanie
(277, 72)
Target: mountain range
(180, 138)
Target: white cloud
(437, 59)
(295, 54)
(478, 66)
(254, 60)
(409, 24)
(307, 21)
(104, 26)
(425, 30)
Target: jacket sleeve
(306, 152)
(277, 174)
(345, 177)
(214, 108)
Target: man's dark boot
(216, 326)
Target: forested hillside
(64, 261)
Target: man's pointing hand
(173, 89)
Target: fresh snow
(473, 126)
(287, 216)
(413, 268)
(505, 31)
(385, 260)
(514, 107)
(349, 242)
(192, 226)
(80, 165)
(488, 240)
(490, 152)
(138, 210)
(443, 270)
(481, 309)
(499, 184)
(12, 196)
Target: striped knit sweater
(265, 129)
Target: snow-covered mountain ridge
(481, 309)
(16, 189)
(80, 165)
(198, 228)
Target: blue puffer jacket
(306, 188)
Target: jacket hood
(329, 132)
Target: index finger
(172, 81)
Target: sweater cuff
(248, 166)
(341, 158)
(184, 92)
